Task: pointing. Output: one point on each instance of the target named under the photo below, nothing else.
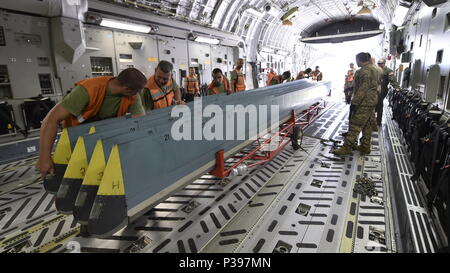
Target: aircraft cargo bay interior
(210, 126)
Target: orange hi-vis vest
(240, 82)
(270, 77)
(350, 76)
(191, 84)
(160, 98)
(215, 89)
(275, 80)
(96, 89)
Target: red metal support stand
(304, 119)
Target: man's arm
(233, 80)
(197, 88)
(228, 90)
(393, 80)
(48, 132)
(136, 109)
(146, 100)
(177, 95)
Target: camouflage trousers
(361, 121)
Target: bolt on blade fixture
(125, 25)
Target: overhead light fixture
(125, 25)
(267, 50)
(254, 12)
(207, 40)
(203, 39)
(364, 10)
(281, 52)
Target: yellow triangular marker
(92, 130)
(63, 151)
(112, 181)
(77, 166)
(94, 173)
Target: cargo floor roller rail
(114, 172)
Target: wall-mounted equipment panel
(97, 60)
(45, 82)
(24, 45)
(135, 50)
(101, 66)
(175, 51)
(201, 52)
(219, 57)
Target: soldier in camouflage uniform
(364, 102)
(388, 77)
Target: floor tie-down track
(301, 201)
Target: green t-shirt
(274, 81)
(220, 87)
(234, 75)
(78, 99)
(146, 97)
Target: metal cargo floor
(302, 201)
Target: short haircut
(363, 57)
(165, 66)
(132, 78)
(287, 74)
(217, 70)
(317, 67)
(308, 70)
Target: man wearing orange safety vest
(317, 75)
(191, 85)
(270, 76)
(277, 79)
(304, 74)
(348, 87)
(91, 100)
(161, 91)
(219, 84)
(238, 78)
